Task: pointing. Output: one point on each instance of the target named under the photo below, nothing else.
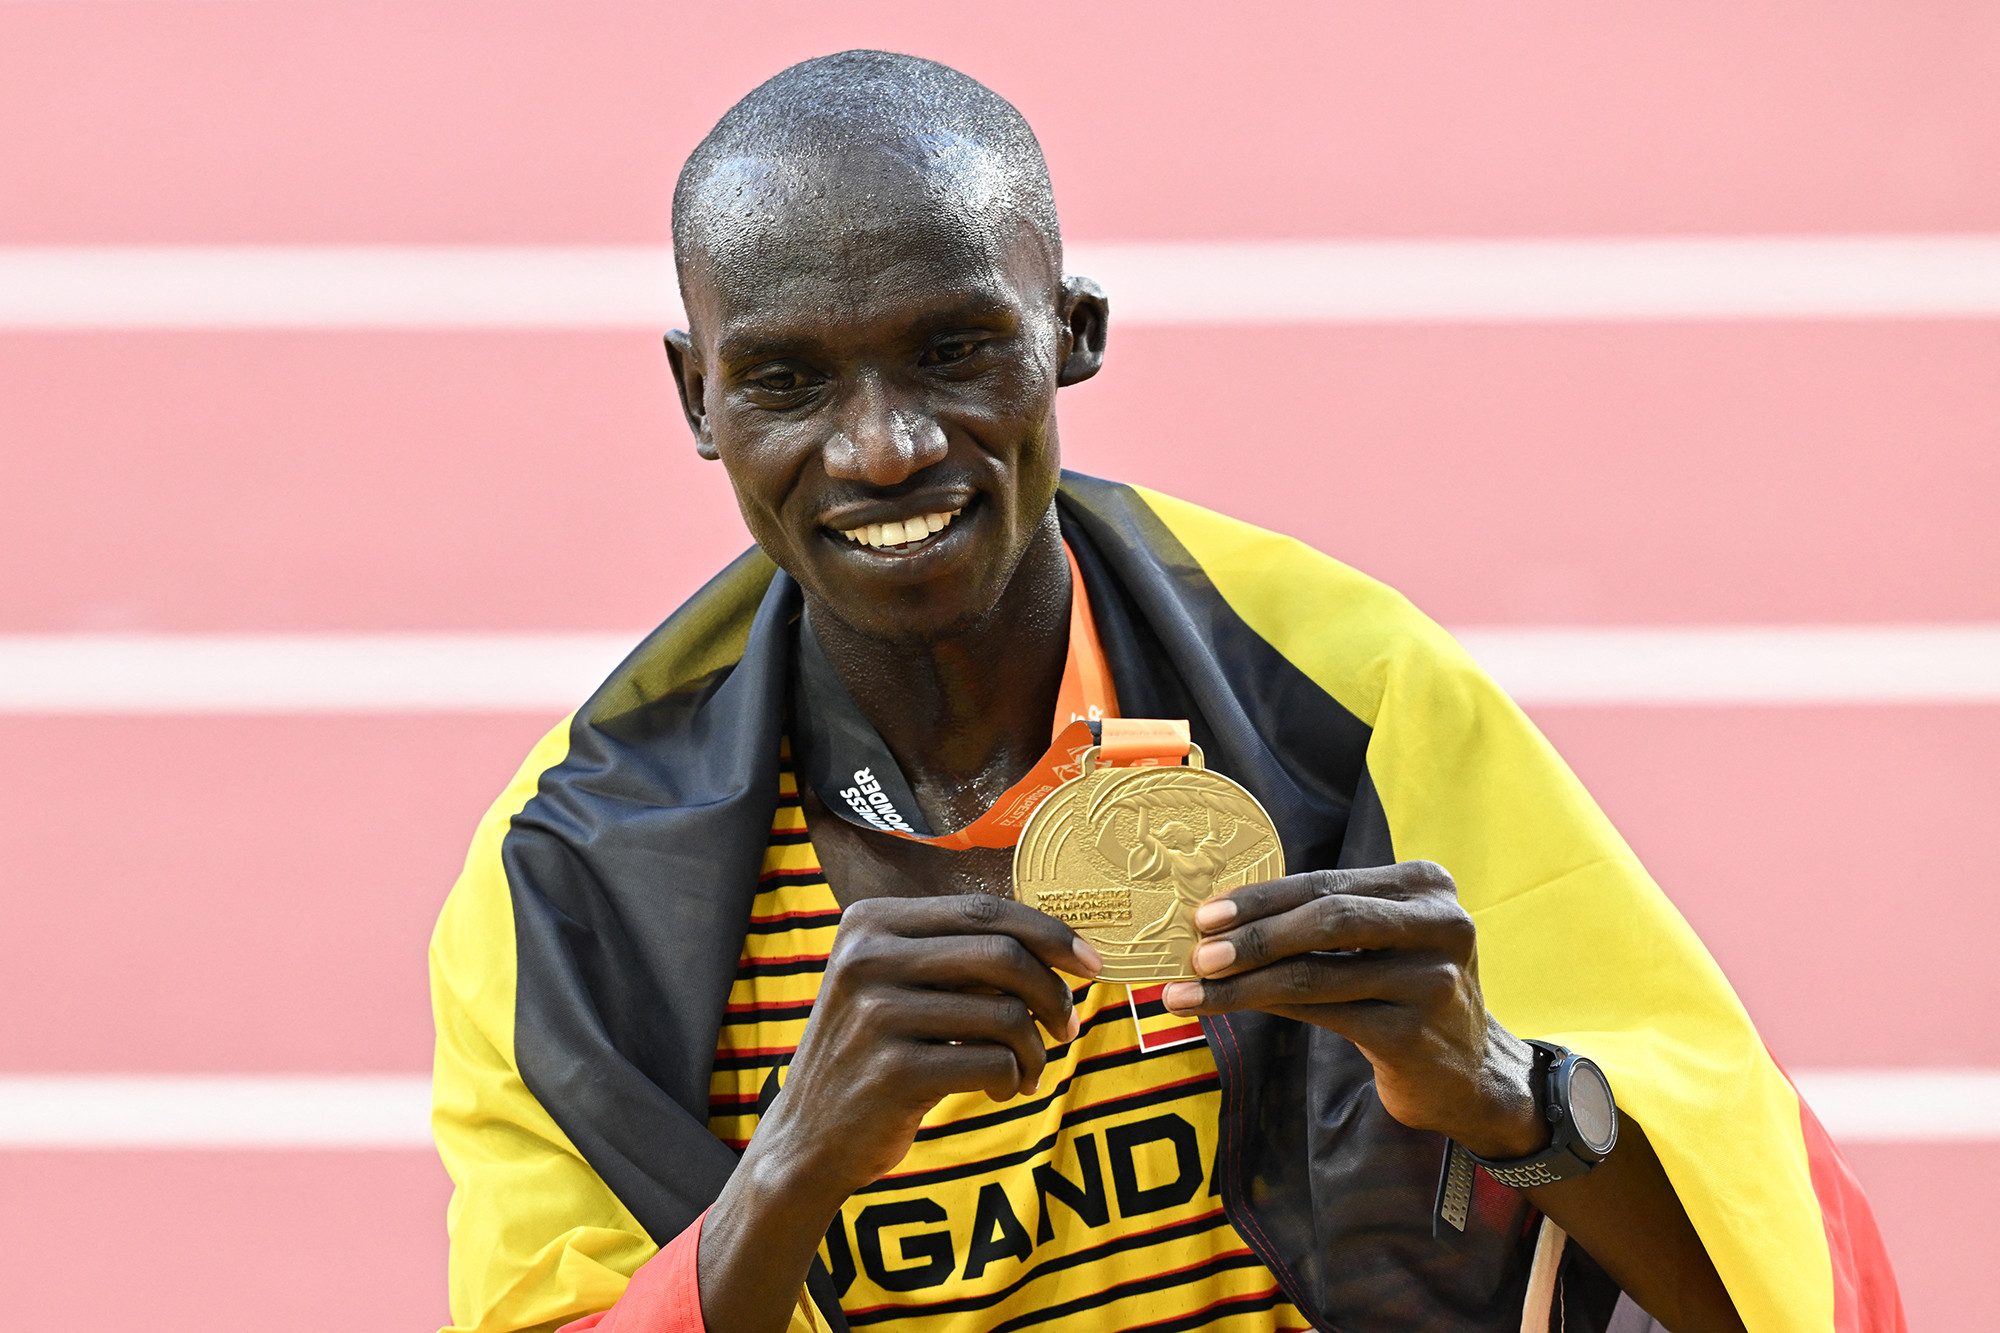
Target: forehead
(843, 243)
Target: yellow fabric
(1576, 943)
(805, 1319)
(537, 1239)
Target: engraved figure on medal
(1125, 855)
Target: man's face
(878, 375)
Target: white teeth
(901, 532)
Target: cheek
(1017, 400)
(763, 474)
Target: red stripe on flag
(1865, 1298)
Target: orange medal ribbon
(1085, 696)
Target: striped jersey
(1093, 1204)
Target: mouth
(905, 535)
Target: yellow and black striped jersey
(1094, 1200)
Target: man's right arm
(537, 1237)
(922, 997)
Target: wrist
(779, 1175)
(1508, 1120)
(757, 1243)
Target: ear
(691, 382)
(1085, 312)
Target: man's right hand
(922, 997)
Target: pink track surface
(1791, 472)
(253, 894)
(199, 121)
(196, 1242)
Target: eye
(947, 350)
(778, 383)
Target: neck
(966, 715)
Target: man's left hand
(1387, 958)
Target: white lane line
(217, 1111)
(1586, 279)
(86, 1111)
(1751, 664)
(458, 673)
(1904, 1105)
(334, 287)
(1242, 282)
(304, 673)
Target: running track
(215, 894)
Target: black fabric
(837, 750)
(634, 867)
(632, 872)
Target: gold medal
(1124, 856)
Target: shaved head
(914, 138)
(878, 323)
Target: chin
(915, 616)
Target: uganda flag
(583, 967)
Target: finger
(1404, 881)
(1339, 923)
(975, 1067)
(993, 1020)
(984, 914)
(1310, 980)
(991, 962)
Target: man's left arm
(1389, 959)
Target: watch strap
(1558, 1161)
(1454, 1194)
(1544, 1168)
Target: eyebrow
(762, 347)
(969, 305)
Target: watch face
(1590, 1107)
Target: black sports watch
(1575, 1097)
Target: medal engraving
(1125, 855)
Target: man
(733, 994)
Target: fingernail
(1075, 1026)
(1214, 956)
(1182, 995)
(1088, 956)
(1032, 1088)
(1219, 912)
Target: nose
(880, 440)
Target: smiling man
(740, 1027)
